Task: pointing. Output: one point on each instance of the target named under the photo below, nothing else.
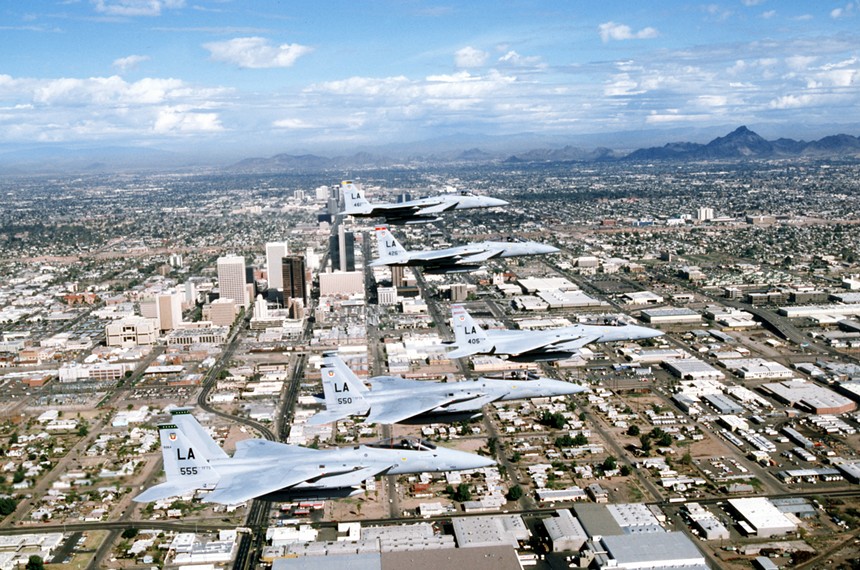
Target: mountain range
(740, 144)
(474, 150)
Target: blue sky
(263, 77)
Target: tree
(7, 506)
(129, 533)
(463, 493)
(625, 470)
(35, 563)
(610, 463)
(514, 493)
(633, 430)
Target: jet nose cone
(562, 388)
(462, 460)
(549, 249)
(645, 332)
(494, 202)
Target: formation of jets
(458, 259)
(552, 344)
(193, 461)
(419, 211)
(393, 399)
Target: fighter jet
(258, 468)
(458, 259)
(420, 211)
(393, 399)
(531, 346)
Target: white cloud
(182, 120)
(469, 57)
(515, 59)
(293, 124)
(767, 15)
(256, 53)
(612, 31)
(135, 7)
(130, 62)
(753, 2)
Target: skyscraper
(231, 279)
(293, 277)
(275, 252)
(342, 250)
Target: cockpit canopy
(413, 443)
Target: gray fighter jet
(530, 346)
(193, 461)
(393, 399)
(419, 211)
(458, 259)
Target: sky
(263, 76)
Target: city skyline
(235, 80)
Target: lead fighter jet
(259, 467)
(394, 399)
(420, 211)
(457, 259)
(530, 346)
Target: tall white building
(231, 279)
(704, 214)
(275, 252)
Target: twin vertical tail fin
(187, 456)
(353, 199)
(469, 337)
(343, 392)
(389, 249)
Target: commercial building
(231, 279)
(342, 250)
(490, 531)
(693, 369)
(756, 368)
(647, 552)
(758, 516)
(222, 312)
(343, 283)
(131, 331)
(809, 396)
(672, 315)
(564, 531)
(294, 278)
(275, 253)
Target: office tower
(190, 294)
(275, 252)
(294, 278)
(322, 193)
(342, 250)
(169, 310)
(231, 279)
(397, 275)
(261, 309)
(705, 214)
(459, 292)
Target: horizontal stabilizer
(167, 490)
(328, 416)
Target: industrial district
(634, 366)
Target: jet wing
(575, 343)
(351, 478)
(251, 448)
(543, 342)
(482, 256)
(243, 486)
(472, 405)
(437, 208)
(393, 412)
